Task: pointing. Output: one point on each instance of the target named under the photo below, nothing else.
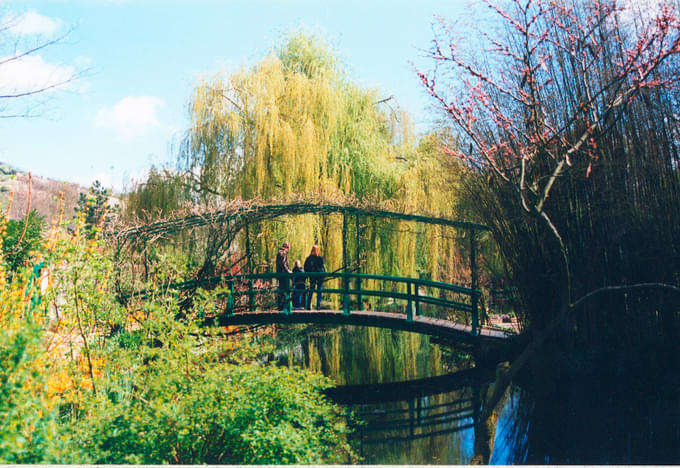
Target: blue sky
(142, 58)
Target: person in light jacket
(282, 267)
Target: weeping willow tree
(159, 196)
(293, 126)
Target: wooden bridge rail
(411, 291)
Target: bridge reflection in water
(395, 380)
(395, 414)
(417, 421)
(430, 421)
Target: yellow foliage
(291, 125)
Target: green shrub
(28, 429)
(160, 410)
(17, 244)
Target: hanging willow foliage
(293, 125)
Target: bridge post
(360, 302)
(345, 278)
(146, 262)
(344, 242)
(473, 283)
(229, 307)
(287, 310)
(409, 303)
(417, 300)
(118, 269)
(345, 300)
(229, 246)
(475, 314)
(251, 296)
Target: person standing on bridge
(314, 264)
(282, 267)
(299, 286)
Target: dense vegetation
(571, 123)
(85, 379)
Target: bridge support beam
(409, 303)
(417, 301)
(360, 301)
(146, 262)
(251, 295)
(229, 245)
(473, 282)
(345, 280)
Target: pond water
(429, 415)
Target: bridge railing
(416, 294)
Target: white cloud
(31, 23)
(130, 117)
(31, 73)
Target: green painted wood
(251, 295)
(360, 299)
(417, 300)
(456, 332)
(230, 305)
(345, 290)
(409, 314)
(287, 307)
(473, 281)
(409, 303)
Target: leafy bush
(224, 414)
(28, 426)
(18, 244)
(84, 379)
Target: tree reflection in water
(602, 413)
(423, 419)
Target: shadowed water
(420, 403)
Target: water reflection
(365, 355)
(436, 429)
(418, 402)
(512, 440)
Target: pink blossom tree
(535, 103)
(549, 87)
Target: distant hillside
(44, 193)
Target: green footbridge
(443, 310)
(446, 311)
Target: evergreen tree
(93, 206)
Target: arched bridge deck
(438, 309)
(448, 330)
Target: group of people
(313, 264)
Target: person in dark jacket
(282, 267)
(314, 264)
(299, 286)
